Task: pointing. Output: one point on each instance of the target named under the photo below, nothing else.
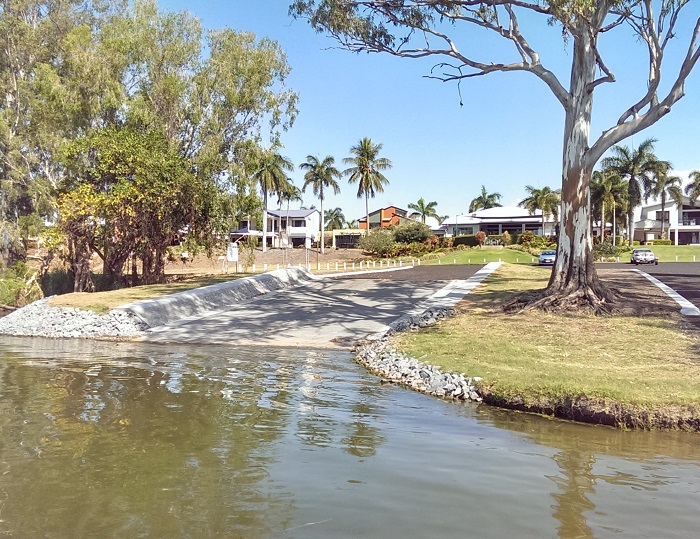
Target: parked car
(644, 256)
(547, 257)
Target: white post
(401, 263)
(278, 266)
(353, 266)
(253, 268)
(345, 266)
(264, 267)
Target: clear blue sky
(508, 134)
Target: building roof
(292, 214)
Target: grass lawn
(483, 255)
(650, 363)
(102, 302)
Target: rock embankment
(39, 319)
(379, 357)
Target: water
(125, 440)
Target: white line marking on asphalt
(687, 308)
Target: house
(383, 218)
(496, 221)
(681, 223)
(291, 228)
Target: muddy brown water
(124, 440)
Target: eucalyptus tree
(321, 175)
(423, 210)
(545, 199)
(445, 30)
(692, 190)
(271, 177)
(637, 168)
(664, 188)
(608, 194)
(485, 201)
(366, 171)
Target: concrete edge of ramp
(168, 309)
(687, 308)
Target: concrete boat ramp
(292, 307)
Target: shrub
(659, 242)
(465, 241)
(480, 237)
(447, 243)
(606, 249)
(378, 243)
(505, 238)
(411, 232)
(432, 242)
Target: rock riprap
(39, 319)
(379, 357)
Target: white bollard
(336, 266)
(328, 266)
(439, 261)
(318, 266)
(278, 266)
(253, 268)
(517, 260)
(360, 265)
(264, 267)
(484, 261)
(419, 261)
(345, 266)
(454, 260)
(353, 266)
(676, 258)
(401, 263)
(374, 263)
(381, 263)
(469, 260)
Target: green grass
(482, 256)
(674, 253)
(647, 362)
(103, 302)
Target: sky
(506, 134)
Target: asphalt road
(683, 277)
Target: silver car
(644, 256)
(547, 257)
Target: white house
(496, 221)
(290, 228)
(681, 224)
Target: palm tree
(271, 178)
(366, 170)
(636, 167)
(692, 190)
(608, 192)
(664, 187)
(423, 210)
(485, 201)
(543, 199)
(320, 175)
(289, 194)
(334, 218)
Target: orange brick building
(383, 218)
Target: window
(662, 216)
(298, 223)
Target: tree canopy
(450, 32)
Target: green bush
(659, 242)
(506, 238)
(605, 250)
(412, 232)
(379, 243)
(466, 241)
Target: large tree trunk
(323, 227)
(574, 282)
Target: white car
(547, 257)
(644, 256)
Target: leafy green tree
(443, 30)
(637, 168)
(367, 170)
(379, 243)
(485, 201)
(423, 210)
(692, 190)
(271, 177)
(320, 175)
(664, 187)
(133, 194)
(335, 218)
(546, 200)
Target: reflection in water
(123, 440)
